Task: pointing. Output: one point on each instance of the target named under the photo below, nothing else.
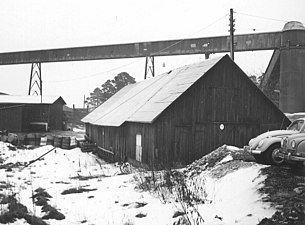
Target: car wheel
(271, 154)
(260, 158)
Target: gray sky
(33, 25)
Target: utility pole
(232, 34)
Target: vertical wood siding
(18, 117)
(11, 118)
(190, 127)
(56, 116)
(122, 140)
(52, 114)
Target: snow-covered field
(111, 198)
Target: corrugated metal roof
(146, 100)
(28, 99)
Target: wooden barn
(179, 116)
(25, 113)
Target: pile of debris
(5, 136)
(222, 154)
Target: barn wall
(11, 118)
(52, 114)
(110, 140)
(17, 117)
(121, 141)
(56, 116)
(146, 131)
(35, 113)
(223, 97)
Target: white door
(139, 147)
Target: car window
(296, 125)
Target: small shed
(17, 113)
(179, 116)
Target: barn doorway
(139, 147)
(183, 143)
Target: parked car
(293, 149)
(266, 147)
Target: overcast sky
(34, 25)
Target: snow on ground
(112, 203)
(78, 130)
(113, 199)
(234, 198)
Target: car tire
(271, 155)
(261, 158)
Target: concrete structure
(285, 74)
(292, 68)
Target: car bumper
(290, 157)
(252, 151)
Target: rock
(178, 213)
(140, 204)
(218, 217)
(54, 215)
(141, 215)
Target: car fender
(301, 147)
(268, 142)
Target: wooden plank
(105, 150)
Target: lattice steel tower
(35, 86)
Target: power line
(128, 64)
(92, 75)
(261, 17)
(178, 42)
(211, 24)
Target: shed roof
(29, 99)
(146, 100)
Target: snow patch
(226, 159)
(234, 198)
(233, 148)
(77, 130)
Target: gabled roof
(146, 100)
(29, 99)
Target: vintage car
(266, 147)
(293, 149)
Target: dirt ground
(285, 189)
